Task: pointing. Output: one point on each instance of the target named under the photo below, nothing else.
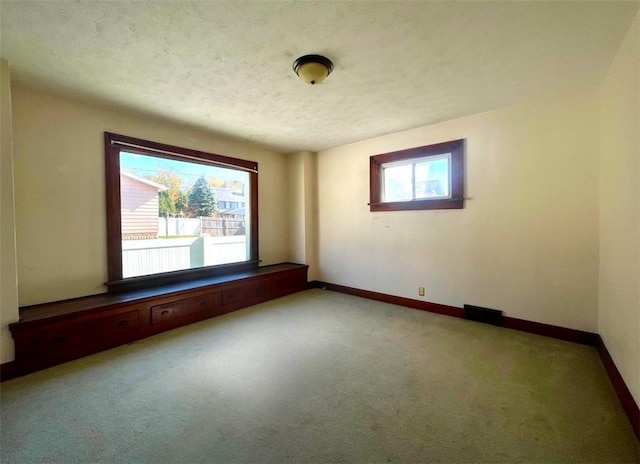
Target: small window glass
(429, 177)
(413, 179)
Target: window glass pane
(421, 178)
(179, 215)
(398, 183)
(432, 178)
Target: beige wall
(60, 190)
(296, 207)
(526, 242)
(303, 242)
(619, 317)
(8, 277)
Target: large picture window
(429, 177)
(175, 214)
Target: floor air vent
(486, 315)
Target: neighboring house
(230, 202)
(140, 207)
(234, 212)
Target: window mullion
(413, 181)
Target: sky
(142, 166)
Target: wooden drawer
(264, 289)
(250, 290)
(183, 308)
(82, 336)
(285, 284)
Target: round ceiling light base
(312, 69)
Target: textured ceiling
(226, 65)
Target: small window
(429, 177)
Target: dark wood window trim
(114, 143)
(455, 147)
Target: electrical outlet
(421, 291)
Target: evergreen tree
(202, 199)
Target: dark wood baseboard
(624, 395)
(551, 331)
(572, 335)
(8, 371)
(538, 328)
(397, 300)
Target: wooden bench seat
(52, 333)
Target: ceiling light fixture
(312, 69)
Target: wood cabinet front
(82, 337)
(205, 304)
(52, 333)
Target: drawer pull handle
(165, 312)
(123, 323)
(60, 339)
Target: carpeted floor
(322, 377)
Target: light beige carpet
(322, 377)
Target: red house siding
(140, 208)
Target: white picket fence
(212, 226)
(178, 226)
(144, 257)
